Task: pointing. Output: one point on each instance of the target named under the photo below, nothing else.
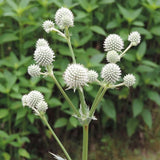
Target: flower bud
(113, 42)
(48, 26)
(111, 73)
(43, 56)
(42, 106)
(75, 76)
(92, 75)
(33, 98)
(134, 38)
(64, 18)
(129, 80)
(112, 56)
(41, 43)
(34, 70)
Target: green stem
(69, 44)
(85, 142)
(99, 98)
(20, 38)
(64, 94)
(123, 53)
(56, 138)
(82, 100)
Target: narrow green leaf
(73, 121)
(137, 107)
(154, 96)
(109, 109)
(98, 30)
(147, 117)
(61, 122)
(132, 124)
(3, 113)
(23, 152)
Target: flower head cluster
(64, 18)
(35, 100)
(41, 42)
(43, 56)
(92, 75)
(48, 26)
(111, 73)
(129, 80)
(112, 57)
(134, 38)
(34, 70)
(113, 42)
(75, 76)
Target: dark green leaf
(137, 107)
(147, 117)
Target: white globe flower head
(92, 75)
(48, 26)
(75, 76)
(34, 70)
(111, 73)
(33, 98)
(113, 42)
(134, 38)
(24, 100)
(43, 56)
(129, 80)
(112, 56)
(64, 18)
(41, 42)
(42, 106)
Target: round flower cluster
(48, 26)
(113, 42)
(111, 73)
(43, 56)
(134, 38)
(41, 42)
(75, 76)
(34, 70)
(64, 18)
(35, 100)
(129, 80)
(112, 56)
(92, 75)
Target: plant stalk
(69, 44)
(56, 138)
(98, 99)
(123, 53)
(64, 94)
(85, 142)
(82, 100)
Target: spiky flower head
(24, 100)
(75, 76)
(42, 106)
(112, 56)
(33, 98)
(64, 18)
(129, 80)
(134, 38)
(111, 73)
(43, 56)
(48, 26)
(113, 42)
(92, 75)
(34, 70)
(41, 42)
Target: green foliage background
(128, 111)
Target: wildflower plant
(76, 75)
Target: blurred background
(128, 119)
